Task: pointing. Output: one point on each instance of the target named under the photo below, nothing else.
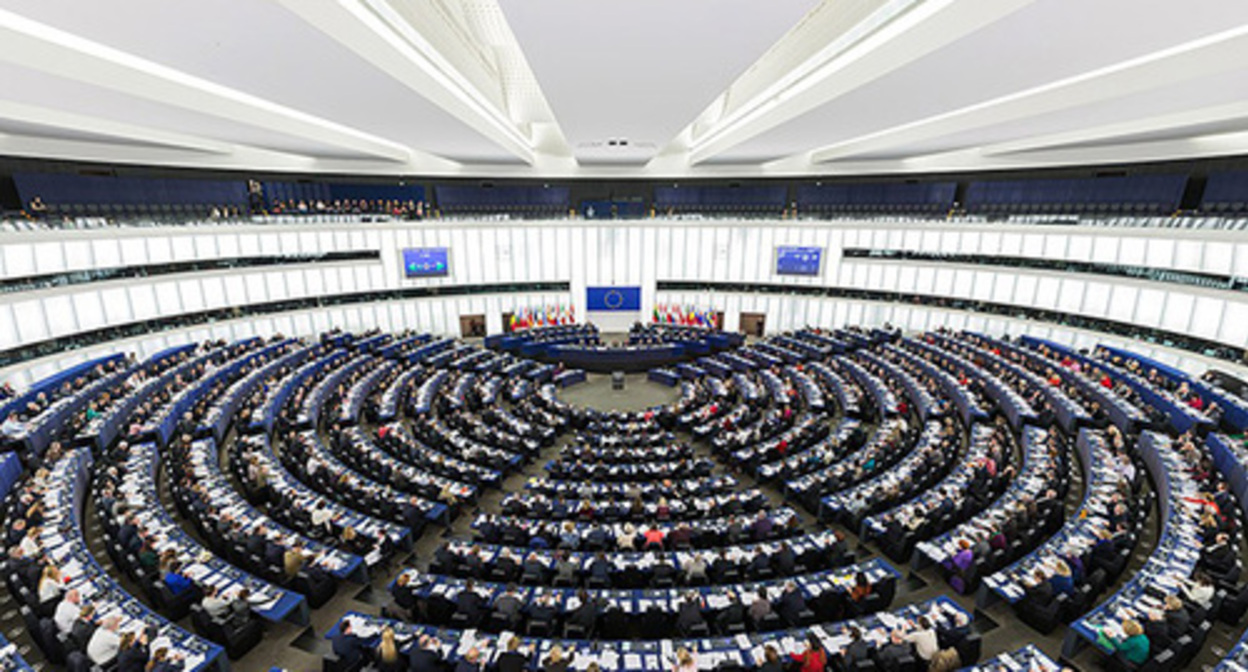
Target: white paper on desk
(717, 601)
(197, 571)
(632, 661)
(364, 629)
(609, 660)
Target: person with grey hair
(105, 642)
(67, 611)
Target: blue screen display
(798, 260)
(425, 262)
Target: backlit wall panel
(631, 253)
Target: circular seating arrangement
(796, 491)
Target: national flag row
(527, 317)
(685, 315)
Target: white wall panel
(62, 317)
(159, 250)
(49, 257)
(88, 310)
(182, 248)
(116, 302)
(1150, 305)
(1122, 305)
(1207, 317)
(143, 302)
(1178, 313)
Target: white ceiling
(631, 70)
(696, 87)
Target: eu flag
(612, 298)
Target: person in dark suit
(128, 534)
(857, 650)
(469, 603)
(470, 662)
(513, 660)
(890, 655)
(600, 569)
(1040, 591)
(586, 613)
(1177, 617)
(771, 660)
(424, 656)
(256, 542)
(347, 647)
(955, 634)
(732, 614)
(83, 628)
(543, 610)
(689, 614)
(1157, 631)
(664, 573)
(791, 604)
(1219, 558)
(509, 607)
(785, 560)
(132, 655)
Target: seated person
(346, 645)
(105, 642)
(1132, 646)
(387, 654)
(689, 614)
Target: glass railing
(1125, 329)
(1190, 278)
(83, 339)
(68, 278)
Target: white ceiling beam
(59, 119)
(919, 31)
(1200, 58)
(1107, 133)
(41, 47)
(383, 38)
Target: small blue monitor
(425, 262)
(798, 260)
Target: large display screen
(798, 260)
(425, 262)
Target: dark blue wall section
(460, 196)
(69, 189)
(929, 196)
(1135, 194)
(309, 192)
(763, 197)
(613, 209)
(1226, 192)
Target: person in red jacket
(814, 658)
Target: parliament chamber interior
(559, 336)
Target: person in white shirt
(924, 639)
(67, 612)
(105, 642)
(1199, 590)
(13, 427)
(30, 542)
(50, 584)
(217, 606)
